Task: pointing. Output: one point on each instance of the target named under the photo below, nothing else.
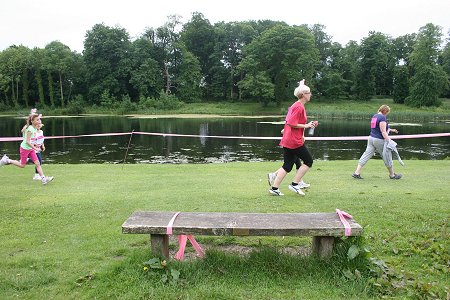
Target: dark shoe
(396, 176)
(356, 176)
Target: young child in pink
(28, 149)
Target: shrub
(76, 107)
(164, 102)
(125, 106)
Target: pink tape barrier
(170, 225)
(309, 138)
(343, 216)
(182, 240)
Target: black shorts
(291, 155)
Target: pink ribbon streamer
(344, 216)
(170, 225)
(182, 240)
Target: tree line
(198, 61)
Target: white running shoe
(296, 189)
(4, 160)
(47, 179)
(271, 178)
(37, 177)
(276, 192)
(303, 185)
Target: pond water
(201, 149)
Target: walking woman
(293, 142)
(28, 149)
(379, 136)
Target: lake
(202, 149)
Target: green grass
(64, 240)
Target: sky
(35, 23)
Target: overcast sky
(35, 23)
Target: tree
(282, 55)
(346, 61)
(15, 64)
(232, 38)
(329, 78)
(403, 46)
(106, 56)
(146, 75)
(401, 84)
(25, 55)
(445, 61)
(375, 66)
(199, 37)
(256, 83)
(60, 59)
(429, 80)
(165, 50)
(5, 78)
(38, 67)
(189, 78)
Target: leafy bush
(3, 106)
(106, 100)
(165, 102)
(125, 106)
(76, 106)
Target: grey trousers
(375, 145)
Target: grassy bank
(64, 240)
(321, 108)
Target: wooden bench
(323, 227)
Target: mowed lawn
(64, 240)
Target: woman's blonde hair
(301, 89)
(384, 109)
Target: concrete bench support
(159, 244)
(322, 246)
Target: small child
(39, 143)
(28, 149)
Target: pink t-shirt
(293, 137)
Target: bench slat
(233, 223)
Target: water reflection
(170, 149)
(203, 132)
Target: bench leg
(322, 246)
(160, 245)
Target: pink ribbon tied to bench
(182, 240)
(343, 216)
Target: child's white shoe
(47, 179)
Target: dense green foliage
(64, 240)
(429, 79)
(252, 61)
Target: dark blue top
(375, 125)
